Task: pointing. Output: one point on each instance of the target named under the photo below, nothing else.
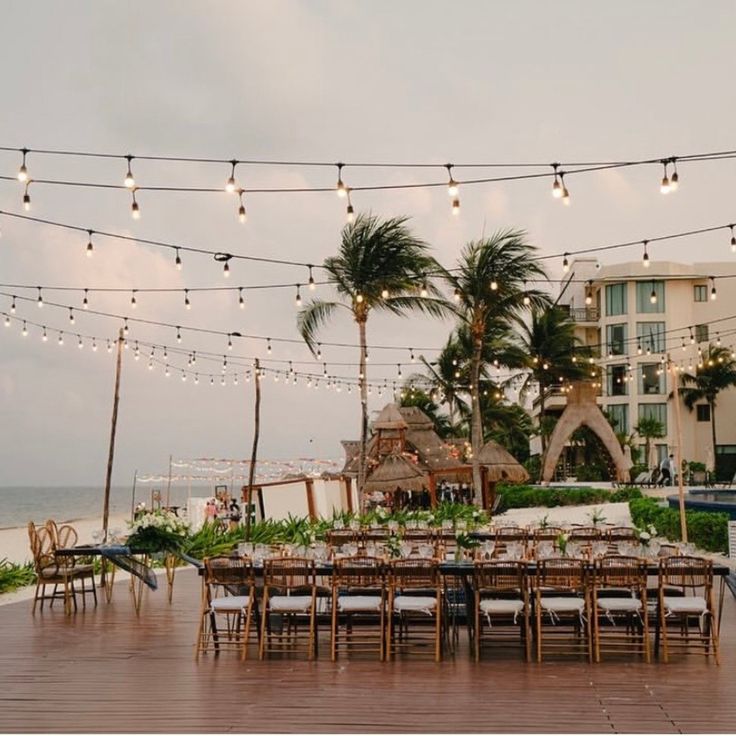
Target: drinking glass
(393, 525)
(599, 549)
(573, 550)
(544, 550)
(426, 550)
(406, 549)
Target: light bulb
(39, 301)
(675, 178)
(456, 295)
(664, 187)
(12, 306)
(226, 270)
(230, 185)
(350, 217)
(359, 298)
(733, 240)
(340, 188)
(177, 260)
(135, 210)
(241, 301)
(645, 257)
(452, 187)
(653, 297)
(23, 171)
(85, 301)
(565, 264)
(90, 245)
(26, 199)
(424, 292)
(187, 303)
(71, 316)
(24, 332)
(713, 293)
(384, 293)
(456, 206)
(298, 300)
(494, 285)
(129, 180)
(133, 302)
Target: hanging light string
(221, 256)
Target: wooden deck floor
(103, 670)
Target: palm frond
(314, 315)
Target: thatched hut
(500, 464)
(395, 471)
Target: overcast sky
(420, 80)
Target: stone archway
(582, 410)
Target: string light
(80, 344)
(675, 178)
(456, 295)
(664, 187)
(692, 337)
(187, 303)
(85, 301)
(24, 331)
(7, 320)
(298, 300)
(350, 212)
(312, 285)
(565, 263)
(61, 338)
(359, 298)
(44, 336)
(412, 358)
(135, 210)
(129, 180)
(242, 216)
(230, 185)
(713, 293)
(178, 335)
(177, 260)
(71, 316)
(12, 306)
(39, 300)
(733, 240)
(340, 187)
(494, 284)
(23, 170)
(27, 197)
(653, 295)
(645, 257)
(133, 302)
(589, 293)
(94, 345)
(565, 192)
(109, 346)
(319, 351)
(384, 293)
(126, 329)
(241, 300)
(268, 345)
(453, 190)
(556, 186)
(424, 291)
(90, 246)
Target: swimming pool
(708, 500)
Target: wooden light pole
(254, 451)
(113, 427)
(678, 429)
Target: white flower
(644, 536)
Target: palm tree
(413, 396)
(490, 289)
(380, 266)
(649, 428)
(550, 345)
(444, 376)
(718, 372)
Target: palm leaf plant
(380, 266)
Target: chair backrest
(224, 570)
(561, 574)
(53, 530)
(585, 533)
(360, 571)
(64, 536)
(499, 575)
(547, 534)
(617, 571)
(289, 573)
(668, 550)
(622, 534)
(338, 537)
(686, 573)
(414, 573)
(505, 534)
(33, 538)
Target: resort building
(632, 318)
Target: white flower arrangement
(166, 521)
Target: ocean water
(21, 504)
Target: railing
(585, 314)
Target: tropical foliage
(13, 575)
(158, 531)
(649, 428)
(381, 266)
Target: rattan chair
(546, 535)
(501, 605)
(229, 595)
(687, 619)
(562, 608)
(53, 570)
(358, 606)
(415, 608)
(83, 572)
(336, 538)
(506, 535)
(619, 607)
(289, 594)
(585, 537)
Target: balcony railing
(585, 314)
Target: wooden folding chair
(228, 594)
(562, 608)
(415, 607)
(501, 605)
(619, 607)
(289, 594)
(358, 606)
(687, 619)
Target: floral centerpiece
(562, 540)
(158, 531)
(646, 534)
(463, 542)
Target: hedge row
(520, 497)
(705, 529)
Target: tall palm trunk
(476, 428)
(362, 458)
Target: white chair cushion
(562, 604)
(686, 604)
(350, 603)
(619, 604)
(419, 603)
(230, 603)
(501, 605)
(290, 603)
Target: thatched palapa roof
(501, 464)
(395, 471)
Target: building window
(615, 300)
(617, 385)
(616, 339)
(650, 337)
(703, 412)
(654, 411)
(618, 415)
(651, 379)
(701, 333)
(644, 291)
(700, 292)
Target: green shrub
(707, 530)
(520, 497)
(13, 576)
